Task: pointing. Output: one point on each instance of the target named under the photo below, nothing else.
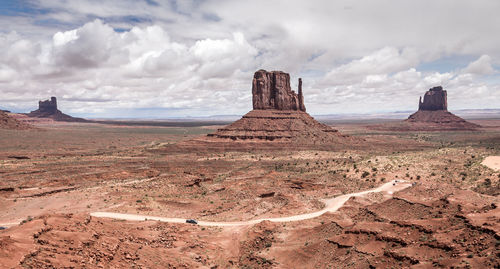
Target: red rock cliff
(434, 99)
(271, 90)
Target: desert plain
(440, 207)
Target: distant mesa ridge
(48, 109)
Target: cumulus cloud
(377, 64)
(198, 57)
(142, 67)
(481, 66)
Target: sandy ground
(492, 162)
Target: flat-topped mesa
(48, 105)
(434, 99)
(271, 90)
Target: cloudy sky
(159, 59)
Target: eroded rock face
(271, 90)
(434, 99)
(48, 105)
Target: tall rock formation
(434, 99)
(48, 109)
(271, 90)
(278, 115)
(48, 106)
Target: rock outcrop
(48, 109)
(8, 122)
(271, 90)
(434, 99)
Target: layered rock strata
(8, 122)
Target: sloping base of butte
(444, 119)
(268, 130)
(283, 125)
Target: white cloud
(199, 56)
(481, 66)
(383, 61)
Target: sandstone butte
(433, 113)
(48, 109)
(278, 117)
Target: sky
(191, 58)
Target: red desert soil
(53, 178)
(8, 122)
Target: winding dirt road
(331, 205)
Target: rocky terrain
(48, 109)
(8, 122)
(53, 179)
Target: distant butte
(433, 111)
(48, 109)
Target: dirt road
(331, 205)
